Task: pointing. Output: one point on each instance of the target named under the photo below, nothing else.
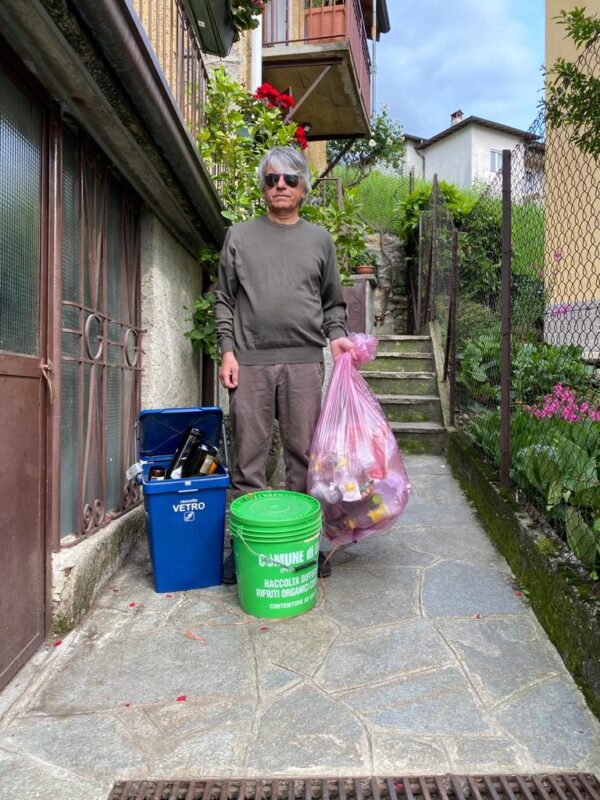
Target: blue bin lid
(160, 429)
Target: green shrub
(537, 368)
(379, 195)
(556, 463)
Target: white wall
(450, 158)
(171, 280)
(412, 160)
(483, 141)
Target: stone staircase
(404, 380)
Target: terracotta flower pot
(326, 24)
(365, 269)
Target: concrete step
(401, 383)
(420, 437)
(403, 344)
(411, 408)
(401, 362)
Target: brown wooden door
(22, 386)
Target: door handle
(47, 368)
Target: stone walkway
(422, 657)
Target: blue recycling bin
(186, 516)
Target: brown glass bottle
(156, 474)
(202, 461)
(177, 467)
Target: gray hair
(285, 160)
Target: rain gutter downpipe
(114, 26)
(373, 59)
(256, 57)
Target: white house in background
(470, 151)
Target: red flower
(182, 698)
(59, 641)
(131, 605)
(265, 90)
(300, 137)
(274, 98)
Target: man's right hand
(228, 372)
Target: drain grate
(563, 786)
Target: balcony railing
(297, 22)
(176, 48)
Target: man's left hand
(343, 345)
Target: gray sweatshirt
(278, 293)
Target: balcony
(318, 50)
(177, 51)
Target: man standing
(278, 299)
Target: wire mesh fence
(554, 390)
(539, 425)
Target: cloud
(481, 57)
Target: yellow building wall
(572, 199)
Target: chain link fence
(537, 421)
(552, 387)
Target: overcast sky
(482, 56)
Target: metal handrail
(178, 53)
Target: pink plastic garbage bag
(355, 469)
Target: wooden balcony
(318, 50)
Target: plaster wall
(450, 158)
(412, 160)
(171, 280)
(483, 141)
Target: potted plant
(325, 20)
(362, 262)
(218, 23)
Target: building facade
(467, 153)
(104, 205)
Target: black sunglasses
(272, 179)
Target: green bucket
(276, 546)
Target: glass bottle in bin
(185, 451)
(203, 461)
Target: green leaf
(581, 538)
(555, 494)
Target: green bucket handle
(287, 568)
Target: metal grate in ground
(560, 786)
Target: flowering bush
(239, 128)
(562, 403)
(284, 103)
(384, 148)
(245, 14)
(273, 98)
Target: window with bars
(100, 339)
(55, 180)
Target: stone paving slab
(421, 657)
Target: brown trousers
(290, 393)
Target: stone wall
(390, 296)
